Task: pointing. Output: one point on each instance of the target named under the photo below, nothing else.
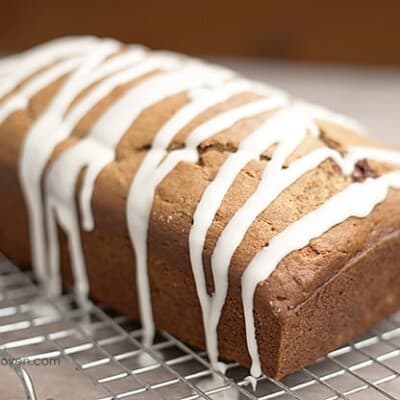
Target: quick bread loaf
(243, 221)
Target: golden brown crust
(304, 292)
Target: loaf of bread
(243, 221)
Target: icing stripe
(126, 59)
(61, 200)
(21, 99)
(357, 153)
(275, 130)
(139, 207)
(323, 114)
(119, 118)
(33, 60)
(40, 141)
(287, 129)
(202, 99)
(105, 87)
(97, 150)
(357, 200)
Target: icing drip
(40, 142)
(274, 181)
(155, 167)
(97, 67)
(21, 98)
(288, 129)
(252, 381)
(97, 150)
(120, 118)
(357, 200)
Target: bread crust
(316, 299)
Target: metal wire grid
(106, 350)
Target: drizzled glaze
(40, 142)
(357, 200)
(20, 67)
(139, 207)
(97, 150)
(275, 130)
(101, 66)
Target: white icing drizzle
(153, 170)
(119, 119)
(21, 98)
(356, 153)
(22, 66)
(357, 200)
(90, 61)
(97, 150)
(323, 114)
(40, 142)
(252, 381)
(288, 129)
(79, 110)
(60, 199)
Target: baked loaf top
(262, 185)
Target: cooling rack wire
(104, 351)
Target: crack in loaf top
(175, 147)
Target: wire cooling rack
(96, 354)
